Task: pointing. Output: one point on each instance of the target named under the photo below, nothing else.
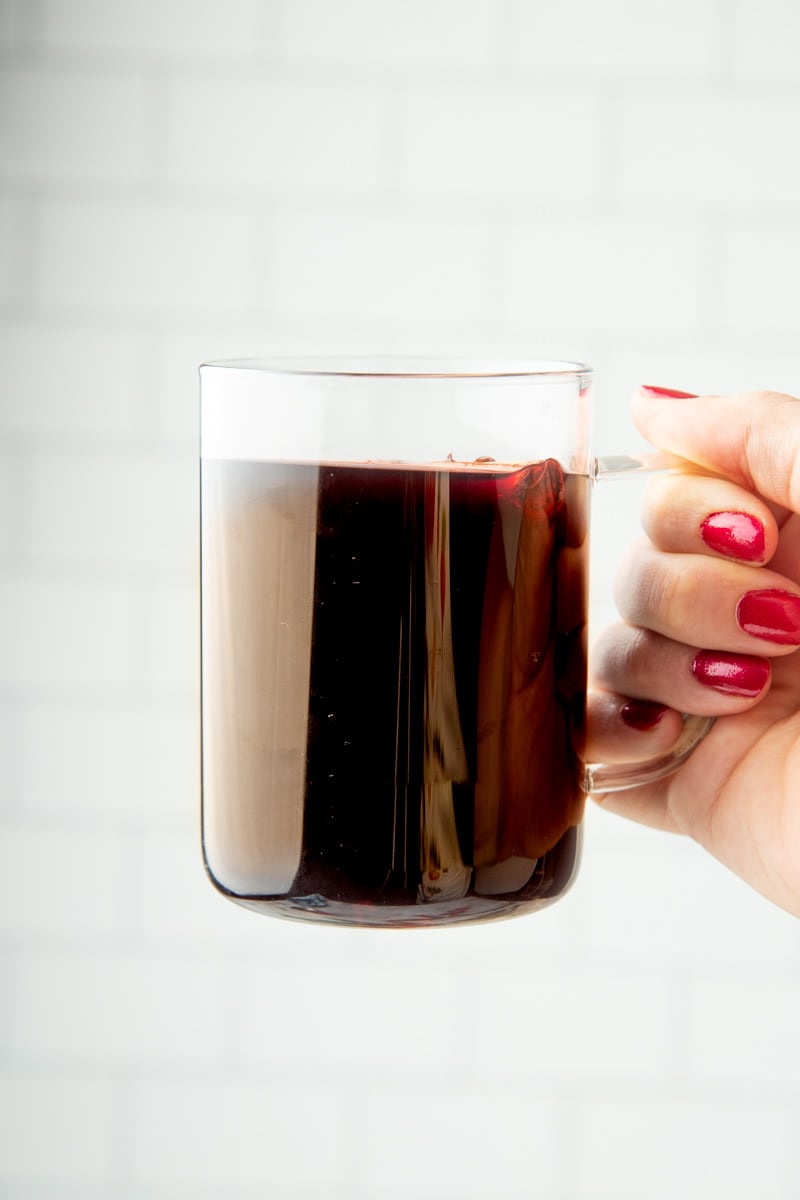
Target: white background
(616, 181)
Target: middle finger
(709, 602)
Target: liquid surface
(393, 678)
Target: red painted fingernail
(642, 714)
(732, 674)
(770, 614)
(673, 393)
(735, 534)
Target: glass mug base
(480, 895)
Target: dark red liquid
(445, 686)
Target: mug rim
(374, 366)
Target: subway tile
(229, 134)
(55, 1127)
(142, 259)
(9, 22)
(62, 124)
(58, 882)
(376, 266)
(667, 1146)
(413, 33)
(373, 1018)
(69, 380)
(611, 1025)
(617, 38)
(742, 1028)
(710, 151)
(115, 509)
(169, 623)
(475, 1142)
(178, 901)
(114, 765)
(605, 274)
(501, 144)
(60, 1189)
(9, 234)
(116, 1008)
(192, 30)
(64, 633)
(223, 1132)
(758, 289)
(765, 39)
(13, 497)
(708, 919)
(10, 756)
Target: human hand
(711, 607)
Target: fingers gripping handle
(603, 777)
(600, 777)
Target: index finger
(703, 514)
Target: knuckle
(771, 445)
(647, 593)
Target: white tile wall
(619, 37)
(710, 149)
(758, 272)
(71, 382)
(126, 761)
(606, 273)
(443, 34)
(64, 633)
(501, 144)
(9, 224)
(69, 123)
(393, 266)
(282, 1136)
(658, 1146)
(141, 258)
(71, 880)
(308, 138)
(190, 179)
(191, 31)
(55, 1127)
(117, 1007)
(497, 1147)
(132, 511)
(763, 40)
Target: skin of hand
(710, 601)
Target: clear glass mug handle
(603, 777)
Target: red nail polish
(732, 674)
(642, 714)
(734, 534)
(673, 393)
(770, 614)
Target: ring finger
(643, 665)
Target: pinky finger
(623, 730)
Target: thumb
(752, 439)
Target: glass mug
(394, 611)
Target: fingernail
(735, 534)
(642, 714)
(673, 393)
(771, 614)
(732, 674)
